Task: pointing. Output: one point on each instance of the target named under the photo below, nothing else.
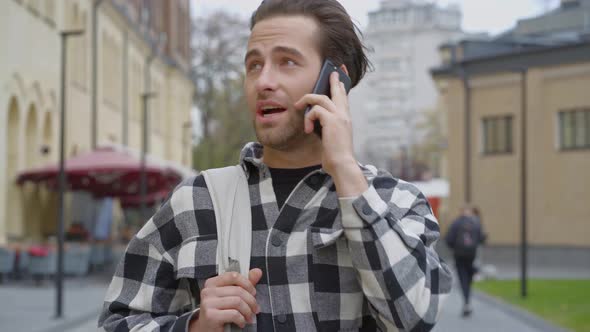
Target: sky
(493, 16)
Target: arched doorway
(48, 199)
(31, 134)
(11, 222)
(30, 192)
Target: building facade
(391, 102)
(108, 70)
(518, 117)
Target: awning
(105, 172)
(134, 201)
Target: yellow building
(107, 72)
(518, 117)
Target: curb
(73, 322)
(520, 314)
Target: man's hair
(339, 36)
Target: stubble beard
(281, 137)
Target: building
(108, 69)
(518, 117)
(391, 102)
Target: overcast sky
(491, 16)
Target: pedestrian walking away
(464, 237)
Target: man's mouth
(271, 110)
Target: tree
(219, 44)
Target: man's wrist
(349, 180)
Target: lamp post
(154, 50)
(143, 175)
(62, 175)
(523, 184)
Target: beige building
(518, 127)
(106, 77)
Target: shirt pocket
(197, 262)
(337, 297)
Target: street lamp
(143, 175)
(62, 175)
(144, 142)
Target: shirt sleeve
(145, 293)
(392, 233)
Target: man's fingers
(229, 291)
(337, 90)
(314, 100)
(228, 316)
(254, 276)
(317, 113)
(232, 303)
(231, 279)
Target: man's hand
(338, 151)
(228, 298)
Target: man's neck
(303, 155)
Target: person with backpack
(327, 244)
(464, 237)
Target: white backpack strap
(229, 192)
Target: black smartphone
(322, 87)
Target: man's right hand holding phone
(225, 299)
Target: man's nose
(267, 80)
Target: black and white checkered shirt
(364, 263)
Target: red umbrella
(134, 201)
(105, 172)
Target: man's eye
(254, 66)
(289, 62)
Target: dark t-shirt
(284, 180)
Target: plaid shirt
(329, 263)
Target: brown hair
(339, 37)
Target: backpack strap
(229, 192)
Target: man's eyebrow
(277, 49)
(288, 50)
(251, 53)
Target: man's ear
(343, 67)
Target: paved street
(26, 307)
(485, 318)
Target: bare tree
(219, 45)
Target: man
(463, 238)
(335, 245)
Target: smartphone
(322, 87)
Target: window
(497, 135)
(574, 129)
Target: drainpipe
(467, 124)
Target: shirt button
(282, 318)
(276, 240)
(367, 210)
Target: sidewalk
(486, 317)
(26, 307)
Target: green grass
(564, 302)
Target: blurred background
(476, 102)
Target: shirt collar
(251, 158)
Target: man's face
(282, 64)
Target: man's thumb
(254, 276)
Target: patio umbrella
(105, 172)
(134, 201)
